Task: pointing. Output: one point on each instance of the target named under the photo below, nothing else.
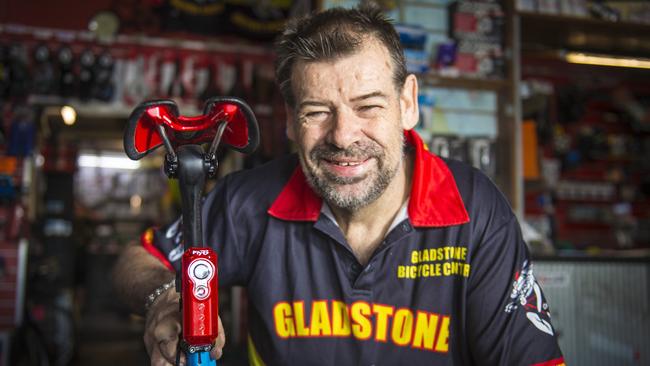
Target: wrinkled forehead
(369, 67)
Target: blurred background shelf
(542, 31)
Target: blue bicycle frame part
(200, 359)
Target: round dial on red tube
(200, 296)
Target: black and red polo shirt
(451, 284)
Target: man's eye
(368, 107)
(372, 108)
(316, 116)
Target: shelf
(180, 41)
(462, 82)
(584, 34)
(100, 110)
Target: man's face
(348, 124)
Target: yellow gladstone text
(362, 320)
(436, 262)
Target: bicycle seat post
(191, 179)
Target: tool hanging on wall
(67, 78)
(43, 71)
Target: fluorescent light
(107, 161)
(599, 60)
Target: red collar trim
(435, 200)
(297, 201)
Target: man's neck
(366, 227)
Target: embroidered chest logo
(436, 262)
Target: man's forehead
(370, 45)
(364, 72)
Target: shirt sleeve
(219, 232)
(509, 320)
(165, 243)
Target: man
(364, 249)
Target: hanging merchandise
(263, 92)
(69, 68)
(18, 72)
(478, 29)
(4, 71)
(9, 194)
(226, 76)
(67, 78)
(196, 16)
(482, 155)
(176, 86)
(134, 16)
(209, 72)
(3, 135)
(7, 189)
(201, 78)
(44, 81)
(150, 82)
(117, 80)
(240, 88)
(167, 72)
(134, 86)
(186, 78)
(261, 20)
(60, 158)
(22, 131)
(250, 19)
(414, 40)
(451, 146)
(103, 87)
(86, 74)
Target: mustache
(361, 151)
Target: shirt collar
(402, 215)
(434, 199)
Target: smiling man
(363, 248)
(348, 121)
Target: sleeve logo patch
(527, 294)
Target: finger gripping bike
(225, 121)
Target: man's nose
(345, 129)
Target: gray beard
(325, 186)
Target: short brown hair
(331, 34)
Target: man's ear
(291, 120)
(409, 103)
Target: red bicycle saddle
(143, 134)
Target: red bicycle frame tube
(200, 296)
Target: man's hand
(162, 328)
(217, 349)
(162, 331)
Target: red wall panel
(63, 14)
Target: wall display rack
(593, 130)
